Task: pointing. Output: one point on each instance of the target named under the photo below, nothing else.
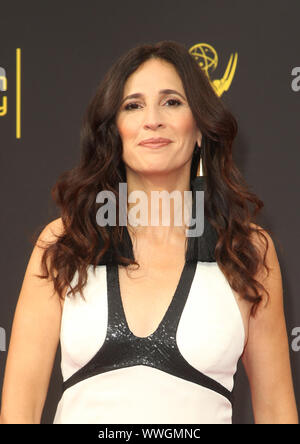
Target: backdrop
(52, 57)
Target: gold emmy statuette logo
(3, 88)
(207, 59)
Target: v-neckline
(167, 312)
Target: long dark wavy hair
(101, 167)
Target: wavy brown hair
(101, 167)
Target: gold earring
(201, 248)
(200, 169)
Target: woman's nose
(152, 125)
(152, 118)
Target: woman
(159, 343)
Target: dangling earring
(200, 167)
(201, 248)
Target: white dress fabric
(181, 374)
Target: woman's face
(156, 114)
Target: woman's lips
(154, 144)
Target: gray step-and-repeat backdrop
(52, 57)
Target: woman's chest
(147, 293)
(206, 321)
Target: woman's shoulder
(267, 251)
(261, 238)
(48, 236)
(52, 230)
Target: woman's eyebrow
(162, 91)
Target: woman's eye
(133, 105)
(127, 107)
(175, 101)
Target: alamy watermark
(296, 341)
(295, 84)
(138, 214)
(2, 340)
